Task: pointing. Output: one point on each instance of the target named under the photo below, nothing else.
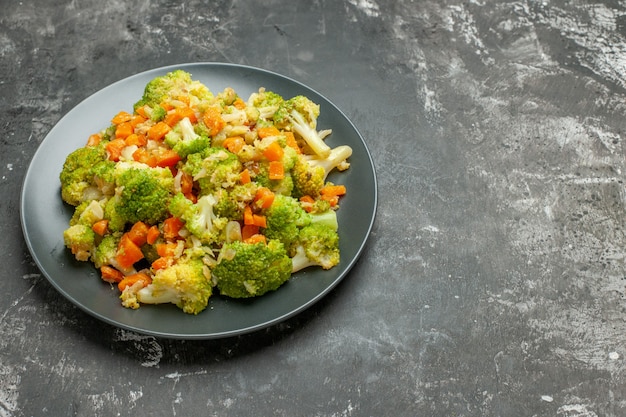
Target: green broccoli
(266, 102)
(284, 219)
(300, 114)
(251, 269)
(310, 172)
(184, 140)
(317, 245)
(80, 239)
(77, 175)
(200, 219)
(213, 168)
(187, 284)
(232, 202)
(106, 250)
(142, 194)
(87, 213)
(172, 86)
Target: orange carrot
(138, 233)
(166, 249)
(158, 131)
(128, 252)
(248, 218)
(110, 274)
(259, 220)
(176, 115)
(94, 139)
(121, 117)
(234, 143)
(123, 130)
(167, 158)
(137, 119)
(162, 262)
(141, 111)
(264, 197)
(291, 141)
(256, 238)
(244, 176)
(136, 139)
(248, 231)
(274, 152)
(114, 148)
(100, 227)
(152, 235)
(239, 103)
(306, 201)
(171, 227)
(333, 190)
(132, 279)
(276, 170)
(212, 119)
(267, 131)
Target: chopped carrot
(162, 262)
(123, 130)
(171, 228)
(186, 183)
(267, 131)
(248, 231)
(167, 158)
(121, 117)
(264, 197)
(138, 233)
(256, 238)
(184, 99)
(94, 139)
(137, 119)
(306, 201)
(142, 155)
(114, 149)
(158, 131)
(141, 111)
(291, 141)
(274, 152)
(166, 249)
(276, 170)
(333, 190)
(332, 199)
(239, 103)
(234, 143)
(136, 139)
(248, 218)
(110, 274)
(179, 113)
(244, 176)
(128, 252)
(259, 220)
(167, 106)
(132, 279)
(152, 235)
(212, 119)
(100, 227)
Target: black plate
(44, 216)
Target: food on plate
(193, 193)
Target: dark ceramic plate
(44, 216)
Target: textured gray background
(493, 281)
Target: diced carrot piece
(276, 170)
(259, 220)
(128, 252)
(158, 131)
(132, 279)
(114, 149)
(306, 201)
(123, 130)
(110, 274)
(333, 190)
(162, 262)
(249, 230)
(212, 119)
(186, 183)
(94, 139)
(137, 119)
(264, 197)
(291, 141)
(166, 249)
(141, 111)
(100, 227)
(121, 117)
(274, 152)
(167, 106)
(239, 103)
(267, 131)
(234, 143)
(142, 155)
(138, 233)
(248, 218)
(136, 139)
(256, 238)
(167, 158)
(244, 176)
(152, 235)
(171, 228)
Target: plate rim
(214, 335)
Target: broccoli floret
(106, 250)
(317, 245)
(284, 219)
(87, 213)
(200, 219)
(184, 140)
(172, 86)
(77, 174)
(251, 269)
(310, 172)
(80, 239)
(213, 168)
(266, 102)
(187, 284)
(232, 202)
(300, 114)
(142, 194)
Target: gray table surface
(493, 280)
